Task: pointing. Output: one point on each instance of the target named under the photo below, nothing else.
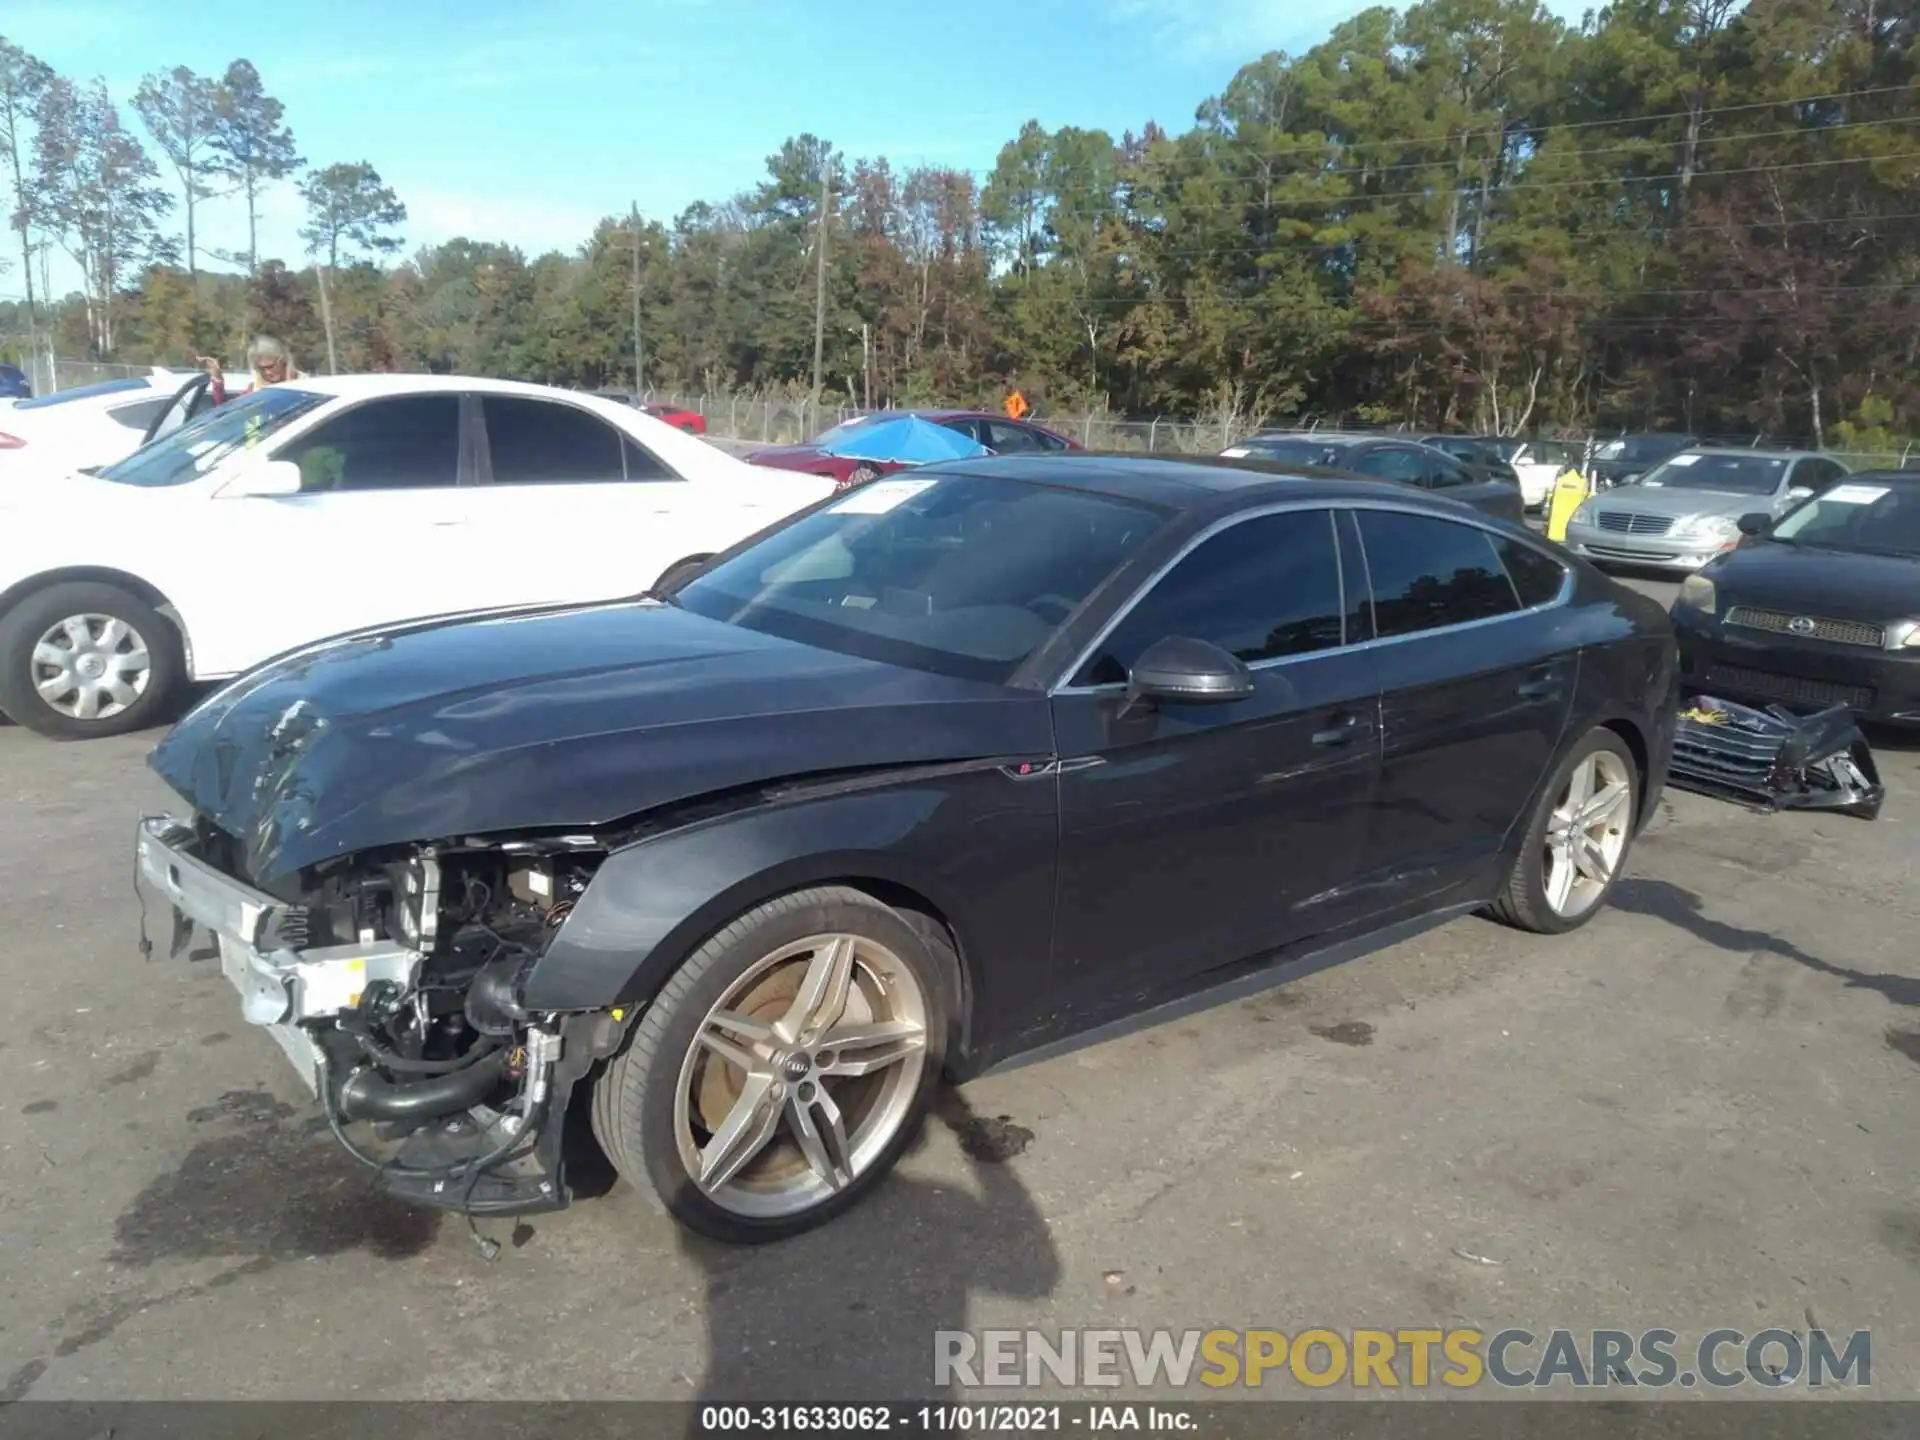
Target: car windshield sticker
(1855, 494)
(877, 497)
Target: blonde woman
(269, 360)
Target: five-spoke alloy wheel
(784, 1067)
(1577, 840)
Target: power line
(1501, 292)
(1454, 161)
(1281, 245)
(1541, 132)
(1335, 202)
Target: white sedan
(321, 506)
(86, 426)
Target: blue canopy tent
(905, 440)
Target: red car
(996, 432)
(691, 421)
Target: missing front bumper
(280, 987)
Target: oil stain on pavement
(1347, 1032)
(989, 1139)
(263, 1187)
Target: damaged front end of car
(393, 981)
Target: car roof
(1337, 436)
(1881, 477)
(1743, 450)
(358, 387)
(1190, 482)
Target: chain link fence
(765, 420)
(773, 420)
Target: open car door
(192, 399)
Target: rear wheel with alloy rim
(783, 1068)
(1577, 841)
(86, 659)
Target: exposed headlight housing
(1697, 593)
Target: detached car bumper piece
(1776, 759)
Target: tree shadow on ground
(1682, 909)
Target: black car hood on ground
(1806, 579)
(558, 717)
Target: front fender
(977, 844)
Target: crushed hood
(567, 717)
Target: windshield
(1727, 474)
(193, 450)
(1875, 514)
(963, 575)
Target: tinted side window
(1536, 577)
(1429, 572)
(1447, 473)
(1264, 588)
(1010, 439)
(139, 416)
(972, 429)
(410, 442)
(642, 463)
(1046, 441)
(1392, 464)
(1817, 475)
(542, 442)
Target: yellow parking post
(1568, 492)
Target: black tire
(633, 1097)
(23, 625)
(1523, 902)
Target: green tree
(348, 207)
(181, 111)
(253, 143)
(23, 80)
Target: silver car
(1682, 513)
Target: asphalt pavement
(1694, 1113)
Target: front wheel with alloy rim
(784, 1068)
(1576, 843)
(84, 659)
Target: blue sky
(525, 122)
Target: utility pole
(638, 388)
(866, 362)
(820, 284)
